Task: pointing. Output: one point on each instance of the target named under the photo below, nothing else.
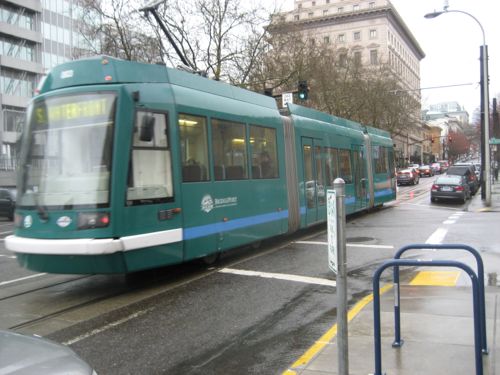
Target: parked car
(414, 169)
(407, 176)
(444, 165)
(8, 202)
(450, 187)
(436, 168)
(468, 171)
(477, 167)
(426, 170)
(34, 355)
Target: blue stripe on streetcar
(382, 193)
(206, 230)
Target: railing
(426, 263)
(480, 274)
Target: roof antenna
(152, 8)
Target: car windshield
(67, 158)
(448, 180)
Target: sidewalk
(436, 325)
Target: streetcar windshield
(66, 157)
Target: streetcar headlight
(91, 220)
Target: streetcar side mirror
(147, 128)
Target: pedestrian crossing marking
(436, 278)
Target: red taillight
(459, 188)
(435, 187)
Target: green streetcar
(128, 166)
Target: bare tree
(219, 37)
(339, 83)
(116, 28)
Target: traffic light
(303, 90)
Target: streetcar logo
(64, 221)
(207, 203)
(28, 221)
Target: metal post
(486, 103)
(342, 341)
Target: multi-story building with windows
(372, 32)
(35, 35)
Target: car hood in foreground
(30, 355)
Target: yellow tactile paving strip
(436, 278)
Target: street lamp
(485, 147)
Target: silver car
(34, 355)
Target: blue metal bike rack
(425, 263)
(398, 342)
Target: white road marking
(21, 279)
(449, 222)
(438, 236)
(349, 244)
(106, 327)
(280, 276)
(8, 232)
(8, 256)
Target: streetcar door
(360, 178)
(151, 217)
(313, 180)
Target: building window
(300, 6)
(328, 1)
(296, 17)
(373, 57)
(357, 57)
(355, 7)
(371, 4)
(326, 40)
(343, 60)
(314, 3)
(357, 35)
(310, 14)
(341, 38)
(340, 9)
(325, 12)
(373, 33)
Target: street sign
(331, 212)
(287, 97)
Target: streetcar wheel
(210, 258)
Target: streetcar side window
(194, 148)
(150, 170)
(345, 166)
(380, 159)
(229, 147)
(264, 152)
(332, 166)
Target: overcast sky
(451, 43)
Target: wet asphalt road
(212, 322)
